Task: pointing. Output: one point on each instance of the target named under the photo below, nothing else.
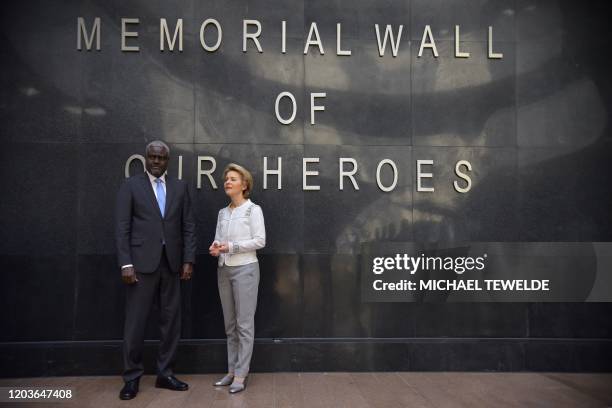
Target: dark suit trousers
(164, 286)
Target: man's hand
(128, 275)
(187, 271)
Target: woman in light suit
(240, 232)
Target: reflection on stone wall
(534, 125)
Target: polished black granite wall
(535, 126)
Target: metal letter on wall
(421, 175)
(388, 34)
(394, 168)
(349, 174)
(493, 55)
(219, 35)
(82, 31)
(428, 44)
(459, 53)
(208, 172)
(129, 162)
(278, 172)
(463, 176)
(306, 173)
(164, 35)
(252, 36)
(314, 107)
(313, 30)
(293, 109)
(125, 34)
(339, 50)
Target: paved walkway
(351, 390)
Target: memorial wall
(379, 133)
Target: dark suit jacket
(140, 228)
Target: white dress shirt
(152, 179)
(244, 231)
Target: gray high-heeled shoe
(226, 380)
(238, 387)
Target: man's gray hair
(157, 143)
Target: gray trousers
(238, 287)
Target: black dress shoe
(129, 390)
(171, 383)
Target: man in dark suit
(156, 247)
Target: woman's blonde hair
(244, 174)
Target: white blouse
(244, 230)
